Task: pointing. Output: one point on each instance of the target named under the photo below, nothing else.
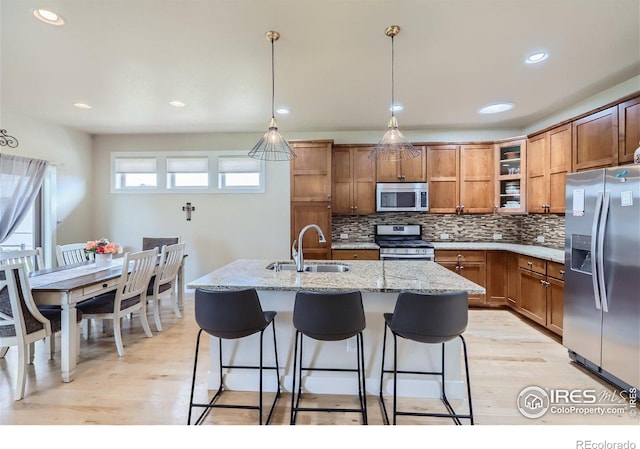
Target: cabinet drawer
(100, 288)
(355, 254)
(533, 264)
(462, 256)
(555, 270)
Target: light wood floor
(151, 384)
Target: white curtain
(20, 182)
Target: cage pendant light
(272, 146)
(393, 146)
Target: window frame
(162, 173)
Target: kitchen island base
(411, 356)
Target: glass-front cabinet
(511, 175)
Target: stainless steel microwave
(402, 197)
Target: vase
(103, 259)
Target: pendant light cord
(273, 82)
(392, 80)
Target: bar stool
(328, 317)
(427, 318)
(232, 314)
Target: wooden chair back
(31, 258)
(72, 253)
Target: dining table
(71, 284)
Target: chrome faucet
(297, 256)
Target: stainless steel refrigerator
(601, 324)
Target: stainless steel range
(403, 242)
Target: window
(186, 171)
(240, 173)
(136, 173)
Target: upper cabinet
(477, 179)
(354, 180)
(460, 178)
(311, 171)
(629, 129)
(548, 162)
(511, 177)
(409, 170)
(595, 140)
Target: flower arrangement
(102, 246)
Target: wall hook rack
(188, 209)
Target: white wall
(224, 226)
(70, 151)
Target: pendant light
(272, 146)
(393, 146)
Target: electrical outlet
(344, 236)
(444, 236)
(351, 344)
(497, 236)
(540, 239)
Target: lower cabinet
(469, 264)
(355, 254)
(541, 295)
(497, 277)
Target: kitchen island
(380, 282)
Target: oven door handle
(407, 256)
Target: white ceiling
(129, 58)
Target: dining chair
(72, 253)
(163, 282)
(32, 258)
(32, 261)
(158, 242)
(21, 323)
(129, 297)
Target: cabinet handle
(529, 263)
(561, 271)
(461, 209)
(355, 256)
(459, 256)
(329, 196)
(328, 207)
(457, 267)
(462, 267)
(104, 285)
(355, 207)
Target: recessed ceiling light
(282, 110)
(396, 107)
(82, 105)
(495, 108)
(177, 104)
(49, 17)
(536, 57)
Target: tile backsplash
(461, 228)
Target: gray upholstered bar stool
(432, 319)
(232, 314)
(328, 317)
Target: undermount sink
(311, 268)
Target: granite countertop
(366, 276)
(354, 245)
(542, 252)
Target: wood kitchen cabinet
(461, 178)
(511, 177)
(548, 162)
(469, 264)
(409, 170)
(353, 180)
(355, 254)
(542, 292)
(497, 277)
(628, 130)
(310, 195)
(306, 213)
(595, 140)
(513, 281)
(311, 170)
